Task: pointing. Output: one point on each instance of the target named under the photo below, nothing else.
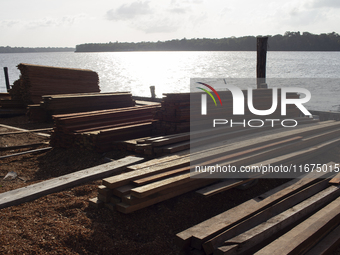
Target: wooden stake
(261, 62)
(7, 79)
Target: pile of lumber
(100, 130)
(36, 81)
(4, 95)
(166, 144)
(178, 109)
(78, 102)
(326, 115)
(158, 180)
(301, 216)
(10, 107)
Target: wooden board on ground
(23, 130)
(37, 190)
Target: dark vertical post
(261, 62)
(6, 78)
(152, 90)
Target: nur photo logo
(239, 102)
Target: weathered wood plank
(157, 177)
(43, 188)
(125, 178)
(264, 214)
(25, 152)
(218, 224)
(26, 131)
(305, 235)
(22, 146)
(265, 230)
(221, 186)
(328, 244)
(23, 130)
(157, 186)
(162, 196)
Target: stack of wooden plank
(178, 109)
(10, 107)
(5, 95)
(166, 144)
(100, 130)
(301, 216)
(36, 81)
(326, 115)
(78, 102)
(157, 181)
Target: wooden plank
(122, 190)
(157, 186)
(95, 202)
(218, 224)
(166, 141)
(43, 188)
(103, 190)
(125, 178)
(27, 131)
(183, 239)
(302, 237)
(164, 195)
(160, 185)
(328, 244)
(336, 179)
(267, 229)
(270, 157)
(22, 146)
(263, 140)
(221, 186)
(156, 177)
(264, 214)
(25, 152)
(23, 130)
(296, 157)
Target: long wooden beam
(23, 130)
(43, 188)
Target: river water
(171, 71)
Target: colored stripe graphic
(213, 90)
(208, 94)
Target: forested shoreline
(9, 49)
(290, 41)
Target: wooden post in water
(6, 78)
(261, 62)
(152, 90)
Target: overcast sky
(66, 23)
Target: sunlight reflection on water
(170, 72)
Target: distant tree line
(9, 49)
(290, 41)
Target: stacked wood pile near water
(100, 130)
(78, 102)
(166, 144)
(36, 81)
(301, 216)
(176, 109)
(161, 179)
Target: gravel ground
(63, 222)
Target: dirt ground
(63, 222)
